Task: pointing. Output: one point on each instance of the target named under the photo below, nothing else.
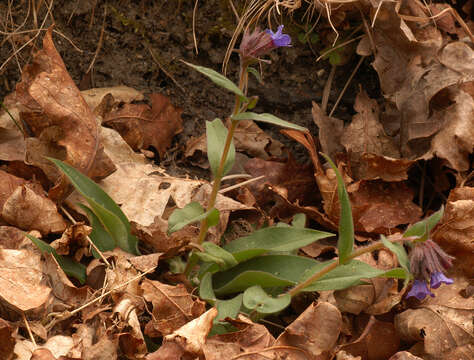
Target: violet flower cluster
(258, 43)
(428, 263)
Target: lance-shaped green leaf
(103, 206)
(423, 228)
(205, 289)
(255, 298)
(345, 243)
(216, 134)
(273, 239)
(219, 80)
(267, 118)
(226, 309)
(399, 251)
(69, 266)
(99, 236)
(348, 275)
(266, 271)
(228, 260)
(191, 213)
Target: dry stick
(87, 237)
(194, 26)
(29, 41)
(327, 89)
(99, 44)
(163, 69)
(240, 184)
(234, 10)
(338, 47)
(346, 85)
(28, 329)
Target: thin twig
(29, 329)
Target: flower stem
(356, 253)
(204, 227)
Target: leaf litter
(126, 309)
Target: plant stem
(220, 170)
(366, 249)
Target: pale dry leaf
(442, 326)
(22, 283)
(30, 211)
(316, 330)
(250, 341)
(404, 355)
(12, 141)
(121, 93)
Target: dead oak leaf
(142, 126)
(59, 119)
(456, 230)
(173, 307)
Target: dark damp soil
(132, 30)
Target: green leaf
(216, 133)
(226, 309)
(255, 73)
(273, 239)
(399, 251)
(345, 243)
(191, 213)
(423, 228)
(219, 79)
(69, 266)
(252, 102)
(299, 221)
(266, 271)
(255, 298)
(267, 118)
(205, 289)
(99, 236)
(348, 275)
(227, 258)
(104, 207)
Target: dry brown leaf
(142, 126)
(173, 307)
(250, 341)
(330, 132)
(7, 341)
(59, 120)
(385, 168)
(378, 341)
(442, 326)
(120, 93)
(366, 136)
(12, 238)
(22, 284)
(456, 230)
(131, 341)
(315, 331)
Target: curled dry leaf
(330, 131)
(456, 230)
(12, 142)
(404, 355)
(60, 124)
(22, 284)
(142, 126)
(120, 93)
(173, 307)
(316, 330)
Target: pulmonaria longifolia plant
(261, 270)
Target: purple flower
(427, 264)
(419, 290)
(279, 39)
(258, 43)
(438, 278)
